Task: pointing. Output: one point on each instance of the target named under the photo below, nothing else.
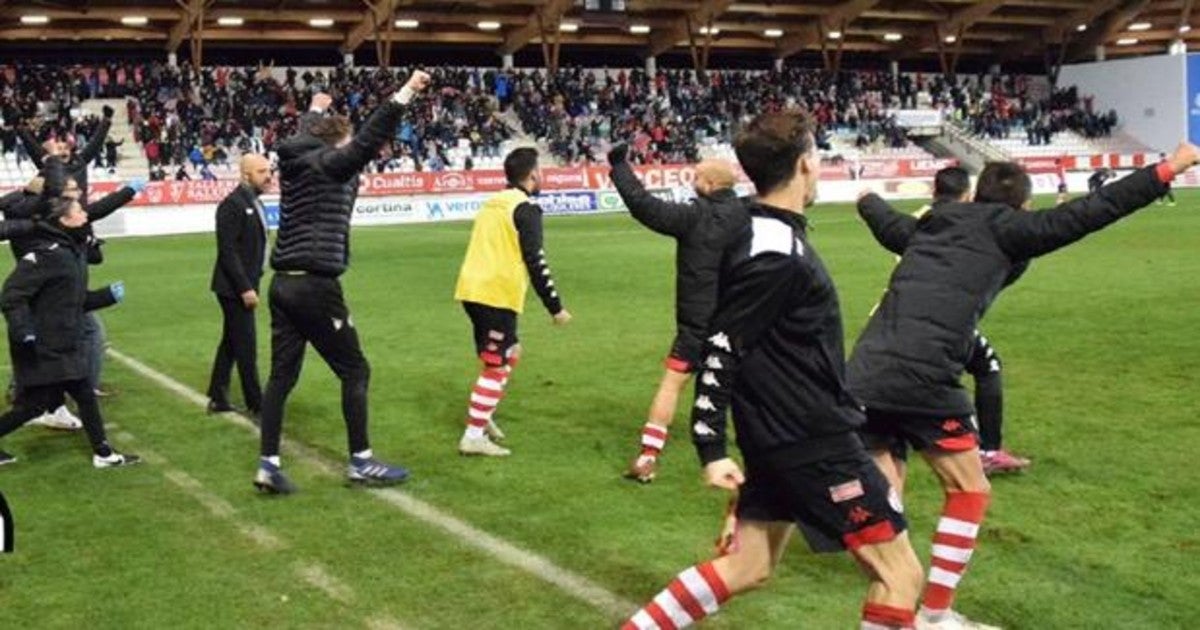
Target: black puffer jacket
(44, 299)
(956, 259)
(702, 230)
(318, 187)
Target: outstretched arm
(891, 229)
(1025, 235)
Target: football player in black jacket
(950, 185)
(908, 361)
(774, 354)
(701, 229)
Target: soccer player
(44, 301)
(700, 229)
(953, 185)
(504, 255)
(774, 351)
(241, 247)
(319, 169)
(1060, 169)
(908, 361)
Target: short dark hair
(770, 145)
(519, 164)
(330, 129)
(1003, 182)
(950, 183)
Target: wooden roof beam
(811, 33)
(550, 15)
(708, 11)
(376, 17)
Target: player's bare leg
(894, 469)
(967, 494)
(896, 576)
(700, 591)
(654, 432)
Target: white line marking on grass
(312, 573)
(317, 577)
(513, 555)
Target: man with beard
(504, 255)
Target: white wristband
(403, 96)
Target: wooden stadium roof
(1024, 30)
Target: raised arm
(1025, 235)
(528, 220)
(32, 146)
(349, 160)
(671, 219)
(893, 230)
(95, 144)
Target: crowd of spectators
(187, 120)
(999, 107)
(191, 122)
(669, 116)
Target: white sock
(273, 460)
(367, 454)
(474, 432)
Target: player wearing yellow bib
(503, 257)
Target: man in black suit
(241, 249)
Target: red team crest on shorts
(846, 491)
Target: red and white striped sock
(654, 438)
(693, 595)
(880, 617)
(953, 544)
(486, 395)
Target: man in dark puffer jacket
(319, 169)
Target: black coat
(956, 259)
(241, 244)
(45, 298)
(702, 229)
(318, 187)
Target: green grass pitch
(1101, 358)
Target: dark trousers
(239, 344)
(35, 400)
(310, 309)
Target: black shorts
(896, 432)
(686, 353)
(495, 331)
(841, 502)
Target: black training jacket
(702, 229)
(775, 350)
(45, 297)
(955, 260)
(318, 187)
